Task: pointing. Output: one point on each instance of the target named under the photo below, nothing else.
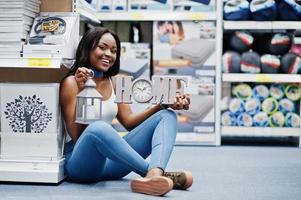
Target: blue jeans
(101, 154)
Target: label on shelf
(39, 62)
(196, 16)
(263, 78)
(136, 16)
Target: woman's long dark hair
(90, 41)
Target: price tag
(196, 16)
(263, 78)
(39, 62)
(136, 16)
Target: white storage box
(30, 120)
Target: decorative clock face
(142, 90)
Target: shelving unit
(262, 78)
(265, 26)
(81, 7)
(39, 62)
(261, 25)
(35, 69)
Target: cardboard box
(149, 5)
(119, 5)
(63, 45)
(31, 124)
(193, 5)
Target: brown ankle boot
(157, 185)
(181, 180)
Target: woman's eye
(102, 47)
(114, 51)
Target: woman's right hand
(81, 76)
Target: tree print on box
(33, 104)
(27, 114)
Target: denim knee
(101, 130)
(168, 113)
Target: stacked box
(149, 5)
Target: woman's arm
(68, 92)
(130, 120)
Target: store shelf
(86, 11)
(264, 78)
(261, 25)
(30, 62)
(259, 131)
(155, 16)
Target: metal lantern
(89, 103)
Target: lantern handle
(91, 73)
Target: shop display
(261, 119)
(261, 92)
(262, 105)
(228, 119)
(276, 119)
(292, 120)
(149, 5)
(241, 41)
(193, 5)
(277, 91)
(237, 10)
(15, 22)
(30, 121)
(231, 62)
(188, 48)
(244, 119)
(250, 62)
(262, 10)
(290, 64)
(53, 34)
(242, 91)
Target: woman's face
(103, 55)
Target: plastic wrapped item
(252, 106)
(261, 92)
(269, 64)
(292, 120)
(228, 119)
(237, 10)
(279, 43)
(250, 62)
(293, 92)
(270, 105)
(261, 119)
(231, 62)
(242, 91)
(277, 91)
(241, 41)
(290, 63)
(263, 10)
(244, 119)
(236, 106)
(277, 119)
(289, 10)
(286, 105)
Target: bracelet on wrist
(163, 106)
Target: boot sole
(189, 179)
(156, 186)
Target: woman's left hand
(182, 102)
